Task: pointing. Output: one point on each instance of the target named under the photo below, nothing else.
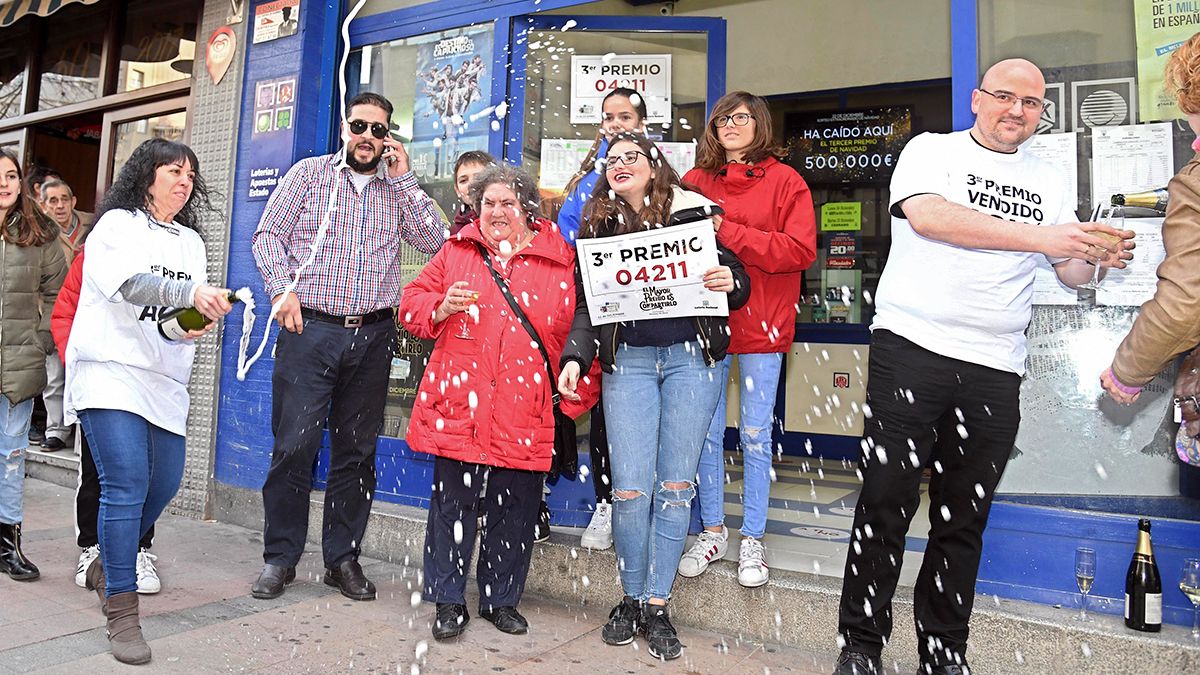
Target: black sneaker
(857, 663)
(450, 621)
(622, 623)
(951, 669)
(541, 531)
(661, 639)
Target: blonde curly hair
(1182, 75)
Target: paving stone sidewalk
(204, 620)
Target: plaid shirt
(357, 269)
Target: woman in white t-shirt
(125, 383)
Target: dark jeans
(601, 465)
(339, 375)
(87, 501)
(961, 488)
(510, 510)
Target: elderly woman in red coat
(484, 404)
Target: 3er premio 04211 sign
(592, 77)
(651, 275)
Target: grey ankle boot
(125, 630)
(95, 582)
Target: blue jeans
(656, 404)
(140, 466)
(14, 438)
(759, 382)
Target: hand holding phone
(396, 156)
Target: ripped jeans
(14, 439)
(657, 403)
(759, 381)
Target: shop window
(14, 52)
(71, 59)
(133, 133)
(158, 43)
(440, 86)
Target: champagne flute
(1109, 215)
(1085, 574)
(1189, 583)
(472, 314)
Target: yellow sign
(841, 216)
(1161, 27)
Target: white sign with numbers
(592, 77)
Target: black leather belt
(353, 321)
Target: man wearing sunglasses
(972, 214)
(333, 356)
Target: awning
(12, 10)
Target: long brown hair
(25, 225)
(710, 154)
(606, 214)
(589, 161)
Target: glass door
(123, 130)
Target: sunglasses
(359, 127)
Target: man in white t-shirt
(971, 215)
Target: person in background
(31, 271)
(769, 225)
(58, 202)
(1169, 322)
(35, 176)
(126, 385)
(484, 405)
(660, 389)
(622, 110)
(948, 346)
(466, 167)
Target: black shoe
(541, 531)
(12, 560)
(36, 436)
(271, 581)
(661, 639)
(857, 663)
(451, 621)
(507, 620)
(349, 578)
(952, 669)
(53, 444)
(623, 622)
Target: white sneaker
(598, 535)
(147, 576)
(85, 560)
(709, 546)
(752, 564)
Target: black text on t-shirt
(1006, 201)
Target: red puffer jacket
(64, 308)
(769, 225)
(485, 400)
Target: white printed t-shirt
(115, 357)
(968, 304)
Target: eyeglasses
(738, 119)
(358, 127)
(1028, 103)
(626, 158)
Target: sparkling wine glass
(1109, 215)
(472, 316)
(1189, 583)
(1085, 574)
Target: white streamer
(248, 313)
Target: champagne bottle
(1143, 586)
(175, 324)
(1150, 199)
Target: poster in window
(849, 146)
(450, 112)
(1161, 27)
(594, 76)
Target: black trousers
(601, 465)
(510, 510)
(914, 394)
(87, 501)
(339, 375)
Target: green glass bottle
(175, 324)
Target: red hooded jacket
(64, 308)
(769, 225)
(485, 400)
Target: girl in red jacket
(769, 226)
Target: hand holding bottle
(212, 302)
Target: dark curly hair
(131, 191)
(25, 225)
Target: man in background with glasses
(333, 356)
(972, 214)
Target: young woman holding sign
(769, 225)
(660, 388)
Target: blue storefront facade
(290, 110)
